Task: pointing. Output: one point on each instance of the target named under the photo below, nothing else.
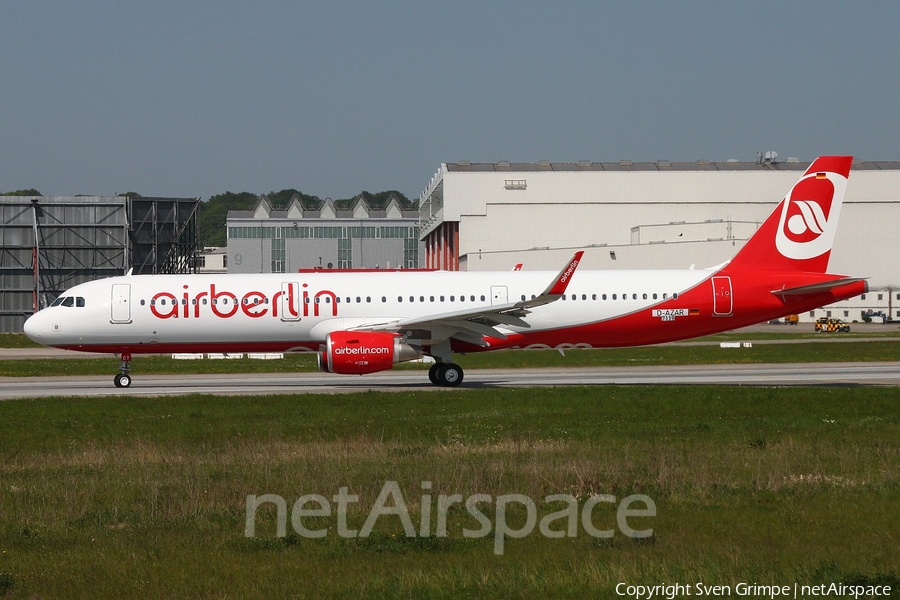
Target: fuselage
(295, 312)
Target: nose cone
(36, 328)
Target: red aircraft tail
(799, 233)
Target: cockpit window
(69, 301)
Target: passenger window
(462, 298)
(368, 298)
(654, 296)
(603, 296)
(399, 298)
(472, 298)
(143, 302)
(384, 298)
(358, 301)
(431, 298)
(442, 298)
(675, 296)
(613, 296)
(422, 298)
(523, 297)
(634, 296)
(412, 298)
(645, 296)
(482, 297)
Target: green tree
(214, 213)
(283, 198)
(376, 201)
(31, 192)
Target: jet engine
(361, 352)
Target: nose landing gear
(123, 379)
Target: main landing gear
(123, 379)
(445, 374)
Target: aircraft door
(498, 294)
(289, 301)
(121, 303)
(723, 302)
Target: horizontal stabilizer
(818, 288)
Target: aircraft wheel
(433, 373)
(122, 380)
(450, 375)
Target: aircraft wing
(472, 325)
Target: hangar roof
(661, 165)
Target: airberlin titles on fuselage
(254, 304)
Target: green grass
(16, 340)
(131, 497)
(650, 355)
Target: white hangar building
(630, 215)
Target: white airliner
(366, 322)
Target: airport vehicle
(829, 325)
(788, 320)
(367, 322)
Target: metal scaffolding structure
(51, 243)
(164, 235)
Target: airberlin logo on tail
(811, 219)
(809, 216)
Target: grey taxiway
(828, 374)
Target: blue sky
(195, 98)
